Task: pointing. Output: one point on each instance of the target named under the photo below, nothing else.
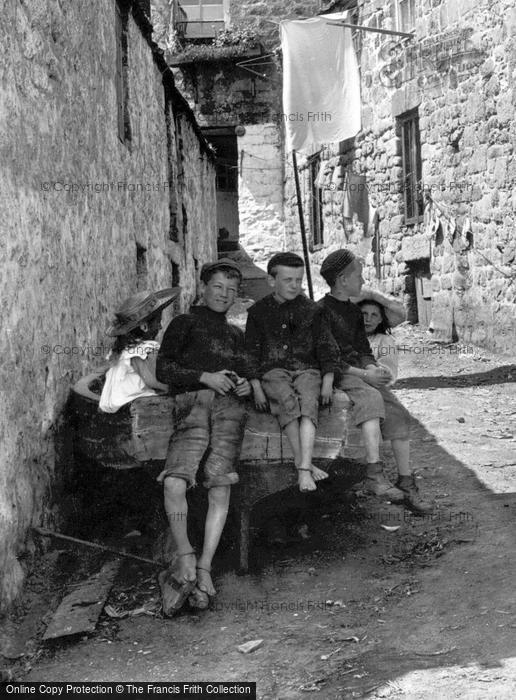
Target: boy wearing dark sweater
(290, 347)
(375, 408)
(202, 361)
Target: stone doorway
(421, 291)
(224, 141)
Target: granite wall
(86, 219)
(458, 73)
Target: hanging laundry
(356, 199)
(374, 220)
(322, 175)
(338, 177)
(466, 234)
(321, 83)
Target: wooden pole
(390, 32)
(302, 227)
(50, 533)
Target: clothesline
(338, 23)
(450, 216)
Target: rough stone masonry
(456, 76)
(89, 214)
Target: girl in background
(381, 314)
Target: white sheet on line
(321, 83)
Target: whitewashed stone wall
(260, 187)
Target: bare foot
(305, 480)
(318, 474)
(185, 567)
(204, 582)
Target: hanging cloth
(321, 83)
(356, 199)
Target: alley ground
(422, 611)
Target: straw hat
(138, 307)
(394, 310)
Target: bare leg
(307, 439)
(401, 449)
(218, 504)
(176, 509)
(372, 436)
(294, 435)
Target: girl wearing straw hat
(136, 325)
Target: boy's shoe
(378, 484)
(411, 497)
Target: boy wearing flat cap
(290, 346)
(375, 408)
(202, 361)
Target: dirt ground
(424, 609)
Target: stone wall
(223, 94)
(458, 73)
(260, 187)
(77, 204)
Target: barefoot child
(375, 408)
(200, 359)
(132, 375)
(290, 347)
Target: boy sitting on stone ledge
(200, 359)
(290, 346)
(375, 408)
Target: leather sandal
(200, 598)
(174, 591)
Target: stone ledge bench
(139, 433)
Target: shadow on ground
(499, 375)
(426, 610)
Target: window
(316, 203)
(141, 267)
(411, 165)
(122, 88)
(205, 17)
(406, 15)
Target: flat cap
(335, 263)
(285, 259)
(223, 263)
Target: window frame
(121, 71)
(412, 166)
(206, 35)
(400, 25)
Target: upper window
(205, 17)
(121, 79)
(406, 15)
(411, 165)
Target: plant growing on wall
(237, 35)
(232, 42)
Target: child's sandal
(174, 591)
(199, 598)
